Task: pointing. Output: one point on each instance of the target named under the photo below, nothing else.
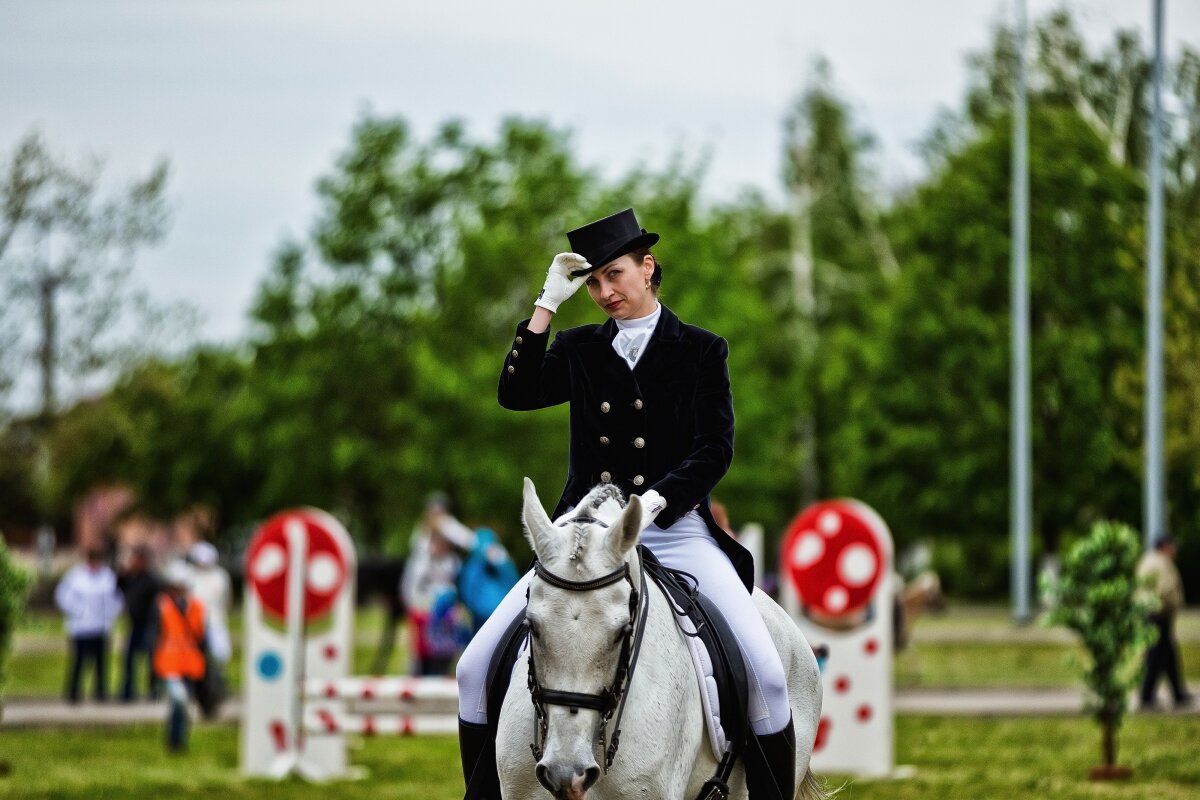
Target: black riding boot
(478, 751)
(771, 765)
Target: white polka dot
(836, 599)
(271, 562)
(856, 565)
(829, 523)
(809, 550)
(323, 573)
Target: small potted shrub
(1095, 596)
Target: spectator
(1160, 577)
(178, 635)
(429, 583)
(88, 597)
(140, 588)
(212, 586)
(486, 576)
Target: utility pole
(1154, 519)
(1019, 464)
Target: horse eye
(535, 630)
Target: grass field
(971, 759)
(954, 757)
(976, 648)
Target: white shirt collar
(641, 323)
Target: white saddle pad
(709, 699)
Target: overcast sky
(251, 100)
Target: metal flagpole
(1020, 458)
(1154, 521)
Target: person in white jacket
(211, 584)
(89, 598)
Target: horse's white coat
(663, 751)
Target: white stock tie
(630, 345)
(633, 336)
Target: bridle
(610, 700)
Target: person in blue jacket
(486, 576)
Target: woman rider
(651, 409)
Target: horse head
(581, 613)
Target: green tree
(1182, 305)
(20, 510)
(841, 265)
(369, 379)
(378, 344)
(14, 586)
(176, 433)
(1095, 597)
(375, 363)
(1109, 90)
(927, 435)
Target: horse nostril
(543, 776)
(566, 782)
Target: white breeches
(686, 546)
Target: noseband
(611, 699)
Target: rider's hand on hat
(559, 284)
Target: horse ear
(624, 534)
(538, 528)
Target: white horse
(576, 638)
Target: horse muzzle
(567, 782)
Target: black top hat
(606, 239)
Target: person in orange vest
(178, 627)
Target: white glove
(652, 503)
(559, 284)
